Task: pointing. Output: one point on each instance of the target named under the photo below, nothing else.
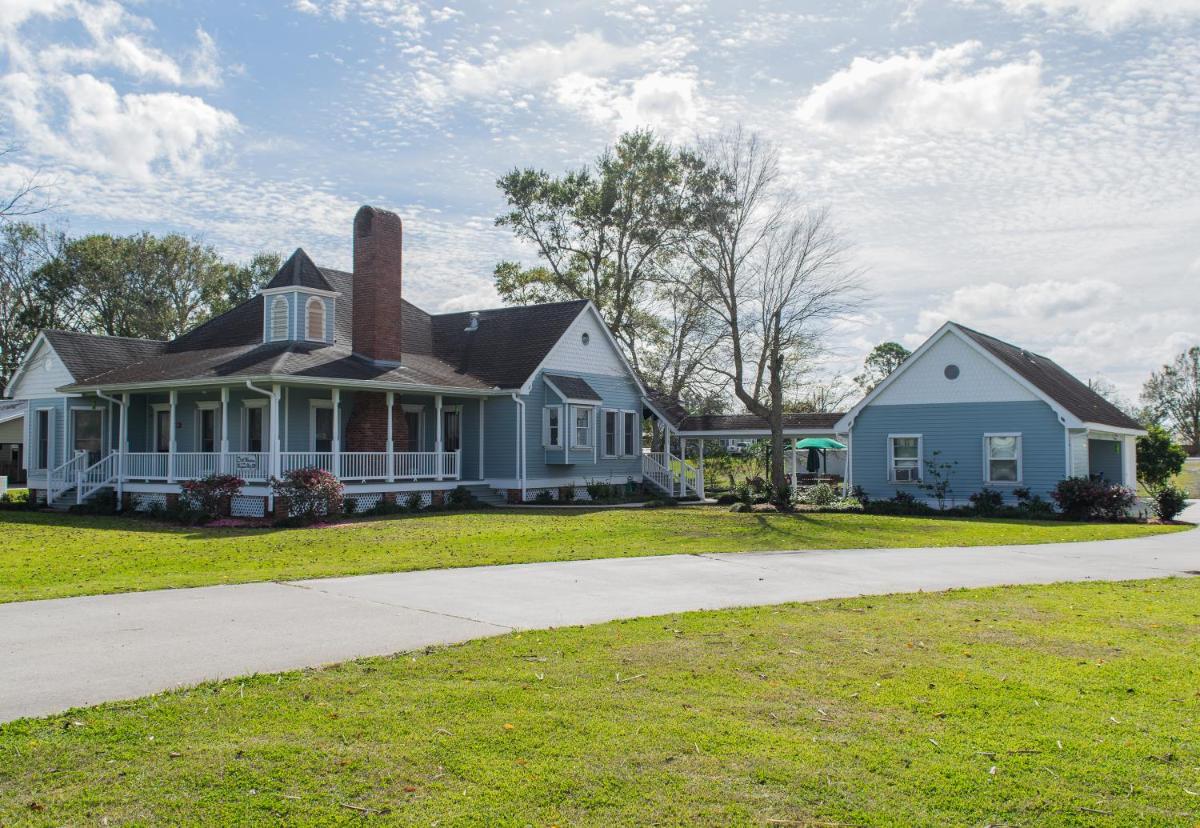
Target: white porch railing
(255, 466)
(691, 478)
(656, 470)
(66, 476)
(96, 476)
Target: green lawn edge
(1068, 704)
(49, 555)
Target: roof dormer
(298, 303)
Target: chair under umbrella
(818, 444)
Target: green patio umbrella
(814, 444)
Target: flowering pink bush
(311, 493)
(207, 497)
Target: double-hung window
(1002, 458)
(552, 427)
(630, 434)
(612, 436)
(904, 458)
(581, 436)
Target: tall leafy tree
(241, 282)
(27, 303)
(1173, 395)
(603, 232)
(884, 358)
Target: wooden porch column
(226, 467)
(122, 445)
(391, 457)
(276, 469)
(337, 443)
(171, 443)
(683, 467)
(438, 441)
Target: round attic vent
(951, 372)
(586, 338)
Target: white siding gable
(570, 355)
(979, 379)
(43, 373)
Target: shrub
(17, 499)
(350, 505)
(566, 494)
(727, 498)
(821, 494)
(544, 497)
(1083, 498)
(744, 493)
(860, 494)
(780, 497)
(1168, 502)
(209, 496)
(102, 503)
(903, 503)
(1159, 459)
(384, 507)
(601, 492)
(460, 498)
(310, 492)
(986, 501)
(413, 503)
(1030, 505)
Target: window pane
(316, 319)
(631, 434)
(555, 431)
(323, 432)
(610, 432)
(162, 440)
(1004, 471)
(254, 429)
(412, 432)
(1002, 448)
(904, 447)
(450, 432)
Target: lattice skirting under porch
(248, 506)
(365, 502)
(581, 493)
(146, 501)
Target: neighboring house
(1004, 418)
(12, 441)
(334, 369)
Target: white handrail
(96, 476)
(65, 476)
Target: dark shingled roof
(1054, 381)
(11, 409)
(823, 421)
(667, 406)
(573, 388)
(504, 351)
(299, 271)
(86, 355)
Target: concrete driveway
(80, 651)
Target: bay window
(552, 436)
(581, 436)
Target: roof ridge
(104, 336)
(511, 307)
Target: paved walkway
(80, 651)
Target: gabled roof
(11, 410)
(666, 407)
(503, 351)
(1076, 404)
(85, 355)
(299, 271)
(1052, 379)
(572, 388)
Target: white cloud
(1107, 15)
(389, 14)
(935, 92)
(668, 103)
(85, 121)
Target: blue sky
(1028, 167)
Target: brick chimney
(378, 248)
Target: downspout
(274, 430)
(121, 429)
(520, 469)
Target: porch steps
(486, 494)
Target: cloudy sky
(1027, 167)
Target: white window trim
(154, 409)
(987, 460)
(546, 428)
(617, 442)
(591, 426)
(637, 433)
(419, 410)
(207, 406)
(313, 405)
(244, 437)
(891, 459)
(324, 320)
(38, 439)
(271, 306)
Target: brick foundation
(126, 502)
(282, 508)
(513, 495)
(172, 499)
(389, 498)
(437, 498)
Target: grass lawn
(1189, 478)
(1061, 705)
(47, 555)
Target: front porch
(153, 440)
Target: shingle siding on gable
(956, 430)
(979, 380)
(598, 357)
